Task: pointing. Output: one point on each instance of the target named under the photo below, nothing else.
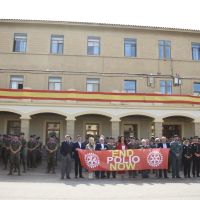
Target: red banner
(118, 160)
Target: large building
(90, 78)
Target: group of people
(16, 151)
(184, 154)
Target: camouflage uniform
(23, 154)
(31, 153)
(51, 146)
(6, 150)
(15, 145)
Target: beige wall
(111, 59)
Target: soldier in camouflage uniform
(31, 152)
(51, 148)
(15, 147)
(6, 150)
(23, 152)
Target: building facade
(93, 79)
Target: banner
(123, 160)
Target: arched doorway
(179, 125)
(10, 123)
(92, 125)
(139, 126)
(46, 124)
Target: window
(130, 86)
(13, 127)
(164, 49)
(93, 47)
(16, 82)
(57, 43)
(166, 87)
(195, 51)
(129, 47)
(55, 83)
(93, 85)
(196, 88)
(20, 40)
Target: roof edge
(97, 24)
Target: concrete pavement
(35, 184)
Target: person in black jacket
(187, 157)
(78, 145)
(196, 157)
(66, 157)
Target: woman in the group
(122, 145)
(91, 146)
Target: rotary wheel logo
(154, 158)
(92, 160)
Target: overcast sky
(163, 13)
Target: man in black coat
(78, 145)
(66, 157)
(163, 145)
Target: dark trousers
(113, 174)
(100, 173)
(186, 166)
(78, 167)
(196, 166)
(51, 162)
(31, 159)
(6, 157)
(164, 172)
(15, 162)
(175, 161)
(23, 160)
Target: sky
(161, 13)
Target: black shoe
(68, 177)
(166, 177)
(81, 176)
(62, 178)
(198, 176)
(178, 177)
(76, 177)
(9, 174)
(173, 176)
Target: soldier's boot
(10, 173)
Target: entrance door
(53, 129)
(13, 127)
(130, 130)
(170, 130)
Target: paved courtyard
(36, 184)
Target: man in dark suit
(101, 146)
(163, 145)
(78, 145)
(66, 155)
